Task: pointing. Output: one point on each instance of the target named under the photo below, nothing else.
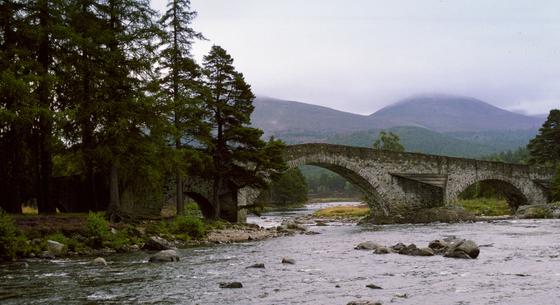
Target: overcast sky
(361, 55)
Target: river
(519, 263)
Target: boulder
(398, 247)
(55, 247)
(438, 246)
(287, 260)
(368, 245)
(164, 256)
(157, 243)
(231, 285)
(99, 261)
(382, 250)
(462, 249)
(412, 250)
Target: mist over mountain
(448, 113)
(435, 124)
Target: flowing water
(519, 263)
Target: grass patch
(486, 206)
(344, 212)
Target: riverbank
(71, 235)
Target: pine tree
(239, 157)
(180, 87)
(125, 112)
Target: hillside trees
(239, 157)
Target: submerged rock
(364, 303)
(259, 266)
(164, 256)
(438, 246)
(287, 260)
(157, 243)
(231, 285)
(462, 249)
(99, 261)
(368, 245)
(373, 286)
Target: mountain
(435, 124)
(449, 113)
(274, 115)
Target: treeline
(90, 87)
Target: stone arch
(353, 173)
(203, 203)
(513, 192)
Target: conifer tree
(239, 157)
(180, 88)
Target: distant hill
(448, 113)
(435, 124)
(274, 115)
(416, 139)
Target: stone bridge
(400, 183)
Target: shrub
(97, 229)
(8, 236)
(192, 226)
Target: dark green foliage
(325, 183)
(97, 229)
(239, 157)
(545, 147)
(8, 237)
(193, 227)
(388, 141)
(289, 189)
(521, 156)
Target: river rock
(382, 250)
(438, 246)
(373, 286)
(368, 245)
(164, 256)
(364, 303)
(287, 260)
(462, 249)
(55, 247)
(398, 247)
(231, 285)
(258, 266)
(157, 243)
(99, 261)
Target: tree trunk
(179, 194)
(114, 199)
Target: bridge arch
(350, 171)
(510, 189)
